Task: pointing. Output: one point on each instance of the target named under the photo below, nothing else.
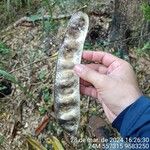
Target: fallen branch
(45, 17)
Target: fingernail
(78, 69)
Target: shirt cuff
(125, 123)
(118, 121)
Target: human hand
(109, 79)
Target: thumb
(98, 80)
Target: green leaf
(3, 49)
(88, 46)
(33, 18)
(13, 79)
(42, 74)
(42, 110)
(47, 26)
(46, 95)
(2, 87)
(8, 76)
(1, 139)
(146, 47)
(146, 10)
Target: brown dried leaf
(98, 127)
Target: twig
(85, 6)
(45, 17)
(53, 56)
(130, 38)
(42, 125)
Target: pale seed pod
(66, 86)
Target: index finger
(100, 57)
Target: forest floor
(27, 116)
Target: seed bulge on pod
(66, 64)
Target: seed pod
(66, 86)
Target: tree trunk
(24, 3)
(119, 27)
(128, 26)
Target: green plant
(17, 3)
(2, 87)
(1, 139)
(63, 6)
(50, 25)
(42, 74)
(144, 49)
(42, 110)
(14, 80)
(88, 45)
(46, 95)
(3, 49)
(5, 55)
(8, 76)
(146, 10)
(11, 10)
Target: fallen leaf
(34, 144)
(55, 143)
(98, 127)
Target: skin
(110, 80)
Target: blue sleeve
(134, 121)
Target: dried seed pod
(66, 86)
